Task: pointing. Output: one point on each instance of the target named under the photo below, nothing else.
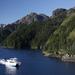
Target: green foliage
(30, 36)
(53, 35)
(63, 38)
(34, 35)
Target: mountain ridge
(28, 19)
(37, 31)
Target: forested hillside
(64, 37)
(38, 31)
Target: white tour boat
(10, 62)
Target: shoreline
(65, 58)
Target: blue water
(34, 63)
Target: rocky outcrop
(68, 58)
(65, 57)
(59, 11)
(71, 11)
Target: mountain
(32, 17)
(59, 11)
(38, 31)
(63, 38)
(6, 30)
(71, 11)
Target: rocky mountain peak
(59, 11)
(28, 19)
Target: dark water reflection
(34, 63)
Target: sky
(12, 10)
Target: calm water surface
(34, 63)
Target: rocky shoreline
(65, 58)
(68, 58)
